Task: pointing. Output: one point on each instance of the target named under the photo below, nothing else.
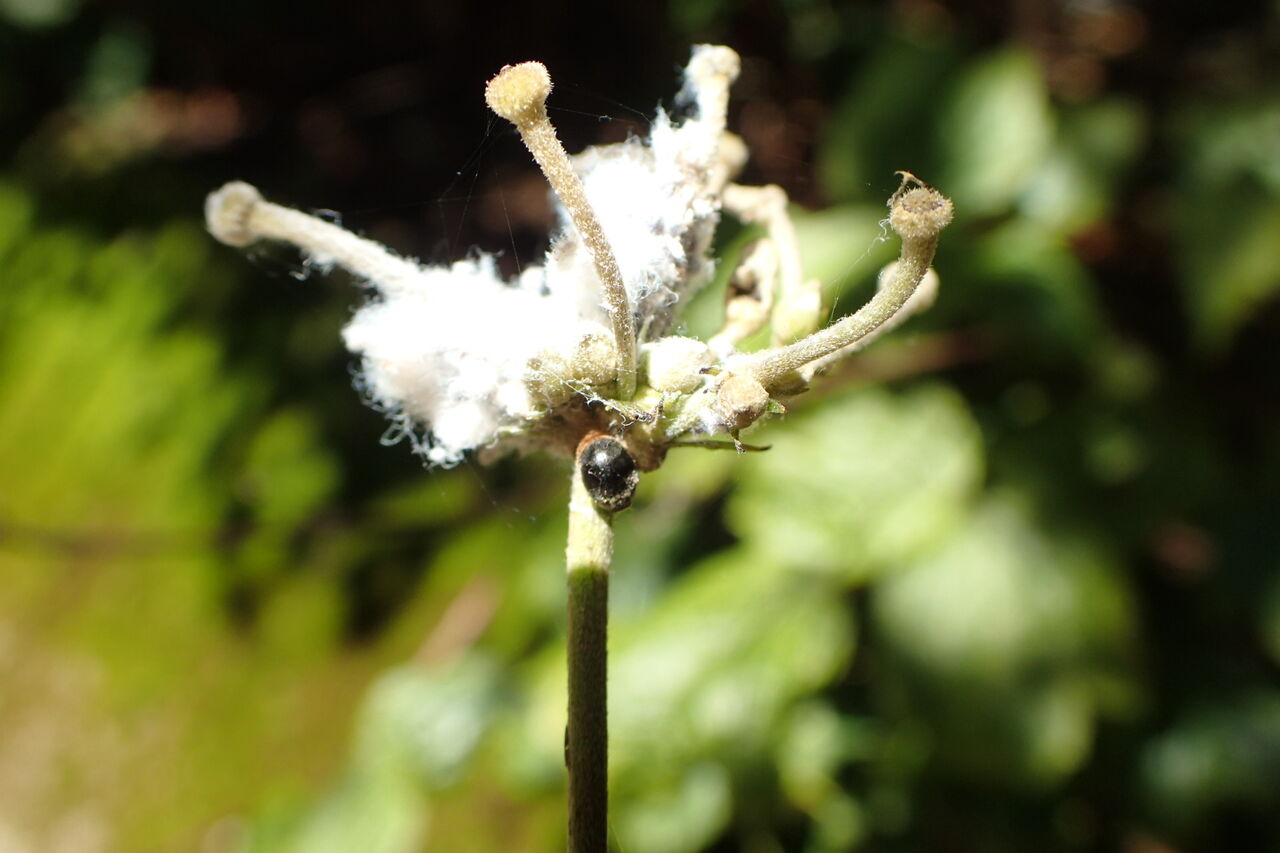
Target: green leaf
(995, 133)
(1079, 179)
(1231, 262)
(1007, 638)
(844, 245)
(860, 483)
(1220, 755)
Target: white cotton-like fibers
(450, 349)
(630, 197)
(453, 350)
(656, 208)
(676, 364)
(461, 360)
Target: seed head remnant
(580, 345)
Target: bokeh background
(1008, 581)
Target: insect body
(608, 471)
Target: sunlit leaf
(860, 483)
(995, 132)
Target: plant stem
(238, 215)
(918, 213)
(773, 366)
(519, 93)
(588, 553)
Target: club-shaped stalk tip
(519, 93)
(920, 212)
(227, 211)
(715, 59)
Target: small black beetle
(608, 472)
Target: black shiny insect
(608, 472)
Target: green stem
(589, 551)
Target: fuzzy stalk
(587, 555)
(519, 94)
(238, 215)
(918, 215)
(775, 366)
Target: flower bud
(740, 401)
(554, 375)
(676, 364)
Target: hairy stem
(238, 215)
(921, 299)
(918, 213)
(773, 366)
(587, 555)
(518, 93)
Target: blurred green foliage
(1009, 581)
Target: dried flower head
(579, 344)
